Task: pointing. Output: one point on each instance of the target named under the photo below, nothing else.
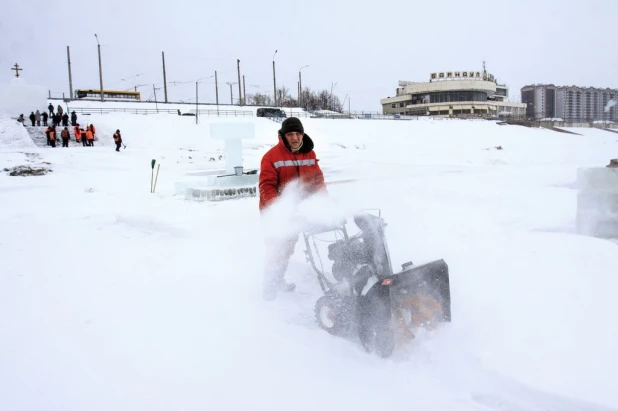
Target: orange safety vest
(52, 135)
(116, 137)
(76, 131)
(89, 135)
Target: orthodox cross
(17, 69)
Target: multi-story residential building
(570, 103)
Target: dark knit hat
(291, 124)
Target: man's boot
(270, 289)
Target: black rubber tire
(339, 311)
(375, 325)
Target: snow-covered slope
(13, 134)
(115, 298)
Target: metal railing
(147, 111)
(225, 113)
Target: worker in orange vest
(78, 135)
(47, 135)
(52, 136)
(83, 134)
(65, 137)
(117, 139)
(90, 137)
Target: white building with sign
(453, 94)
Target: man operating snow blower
(291, 161)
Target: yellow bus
(112, 95)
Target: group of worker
(86, 137)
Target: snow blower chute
(364, 296)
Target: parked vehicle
(270, 112)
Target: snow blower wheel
(333, 314)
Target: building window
(448, 96)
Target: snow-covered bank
(115, 298)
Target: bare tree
(311, 100)
(259, 99)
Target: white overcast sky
(364, 47)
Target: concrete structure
(597, 202)
(236, 183)
(453, 94)
(569, 103)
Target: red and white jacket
(281, 166)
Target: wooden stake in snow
(152, 164)
(156, 178)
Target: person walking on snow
(117, 139)
(37, 117)
(291, 160)
(32, 118)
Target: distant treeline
(310, 100)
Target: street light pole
(231, 92)
(239, 84)
(331, 94)
(217, 91)
(100, 69)
(274, 80)
(300, 85)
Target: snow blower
(363, 295)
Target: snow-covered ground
(113, 298)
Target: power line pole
(70, 77)
(164, 78)
(196, 110)
(239, 84)
(100, 69)
(155, 96)
(274, 80)
(300, 84)
(244, 90)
